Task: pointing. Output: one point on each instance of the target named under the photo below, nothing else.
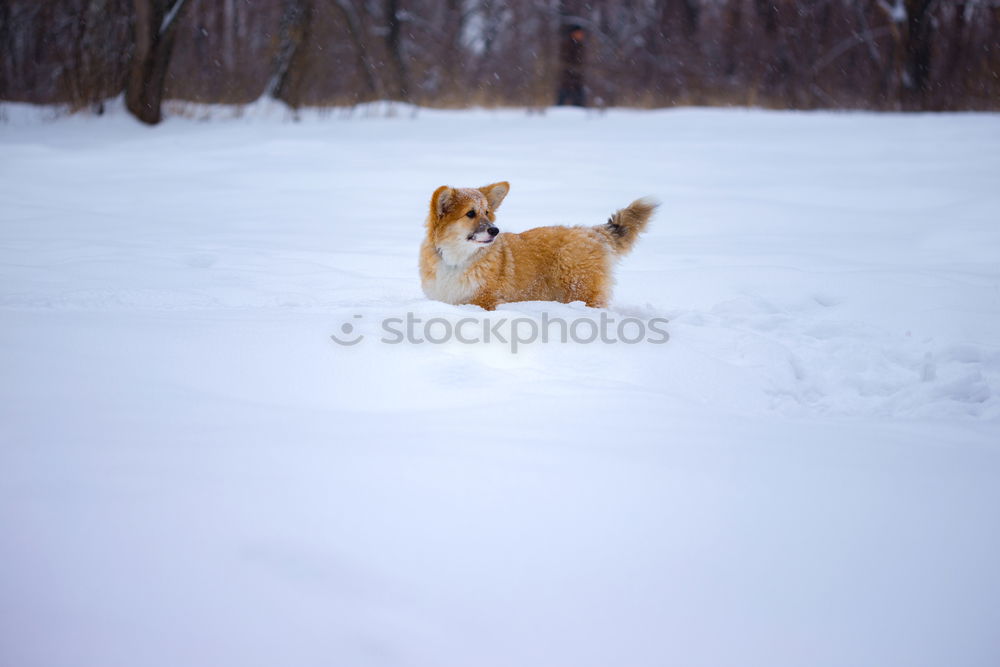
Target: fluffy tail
(623, 228)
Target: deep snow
(193, 473)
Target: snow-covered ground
(192, 472)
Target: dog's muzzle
(484, 234)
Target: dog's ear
(441, 200)
(495, 192)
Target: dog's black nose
(493, 231)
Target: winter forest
(798, 54)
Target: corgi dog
(466, 259)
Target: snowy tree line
(879, 54)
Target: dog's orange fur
(458, 265)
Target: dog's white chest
(451, 284)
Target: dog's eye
(470, 214)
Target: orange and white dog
(465, 259)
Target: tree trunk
(451, 32)
(572, 56)
(356, 29)
(912, 29)
(154, 30)
(393, 43)
(916, 82)
(294, 32)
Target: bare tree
(400, 86)
(295, 20)
(155, 29)
(353, 20)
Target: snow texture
(193, 473)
